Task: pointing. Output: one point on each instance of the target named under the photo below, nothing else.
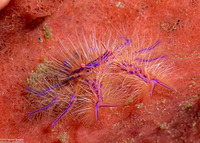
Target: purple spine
(44, 92)
(72, 100)
(150, 60)
(150, 48)
(44, 108)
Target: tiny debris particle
(119, 132)
(186, 105)
(157, 102)
(163, 126)
(164, 100)
(140, 134)
(51, 48)
(169, 132)
(194, 78)
(132, 140)
(115, 125)
(40, 39)
(193, 82)
(139, 106)
(64, 137)
(129, 100)
(194, 124)
(159, 1)
(119, 4)
(47, 32)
